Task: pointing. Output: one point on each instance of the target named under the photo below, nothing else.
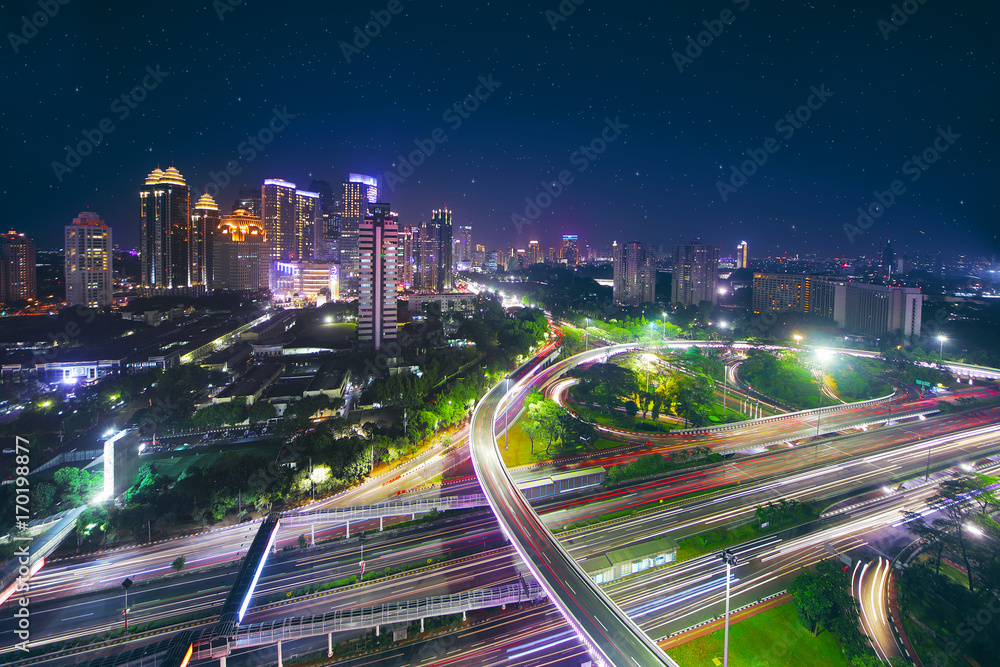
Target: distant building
(874, 310)
(634, 274)
(204, 223)
(327, 224)
(17, 267)
(534, 253)
(240, 256)
(407, 259)
(696, 274)
(249, 201)
(278, 215)
(569, 252)
(379, 275)
(491, 261)
(164, 230)
(742, 255)
(441, 223)
(307, 219)
(463, 245)
(310, 280)
(359, 192)
(89, 270)
(634, 558)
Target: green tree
(820, 596)
(178, 563)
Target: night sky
(885, 90)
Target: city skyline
(493, 127)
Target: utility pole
(730, 559)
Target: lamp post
(730, 559)
(798, 339)
(941, 340)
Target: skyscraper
(426, 246)
(407, 259)
(307, 216)
(378, 255)
(463, 245)
(634, 274)
(328, 222)
(278, 215)
(742, 255)
(165, 229)
(88, 262)
(441, 223)
(204, 221)
(534, 253)
(17, 267)
(359, 192)
(570, 251)
(696, 273)
(249, 201)
(241, 258)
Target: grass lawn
(518, 452)
(772, 638)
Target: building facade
(874, 310)
(742, 255)
(570, 252)
(17, 267)
(307, 219)
(442, 230)
(634, 274)
(277, 198)
(784, 292)
(240, 253)
(165, 230)
(696, 274)
(309, 280)
(89, 269)
(204, 221)
(378, 255)
(359, 192)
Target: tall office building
(359, 192)
(534, 253)
(441, 224)
(165, 229)
(204, 221)
(425, 243)
(463, 245)
(241, 258)
(378, 255)
(570, 251)
(407, 259)
(634, 274)
(249, 201)
(696, 274)
(742, 255)
(874, 310)
(780, 292)
(307, 217)
(277, 198)
(479, 256)
(89, 270)
(17, 267)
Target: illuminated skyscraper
(327, 224)
(696, 274)
(249, 201)
(278, 215)
(204, 221)
(535, 253)
(463, 245)
(17, 267)
(742, 255)
(407, 259)
(359, 192)
(165, 229)
(240, 253)
(570, 251)
(634, 274)
(441, 224)
(378, 256)
(307, 217)
(88, 262)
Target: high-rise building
(379, 275)
(491, 261)
(17, 267)
(780, 292)
(204, 222)
(240, 253)
(570, 252)
(888, 259)
(441, 224)
(534, 252)
(479, 256)
(425, 242)
(310, 280)
(278, 215)
(463, 245)
(307, 217)
(634, 274)
(89, 269)
(359, 192)
(874, 310)
(696, 274)
(249, 201)
(742, 255)
(407, 259)
(165, 229)
(328, 222)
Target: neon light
(361, 178)
(256, 575)
(279, 182)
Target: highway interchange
(661, 604)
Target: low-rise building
(630, 560)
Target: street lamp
(798, 339)
(652, 326)
(648, 358)
(941, 339)
(730, 559)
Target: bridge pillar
(280, 663)
(222, 661)
(329, 646)
(413, 517)
(348, 530)
(376, 631)
(463, 614)
(421, 625)
(380, 524)
(312, 534)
